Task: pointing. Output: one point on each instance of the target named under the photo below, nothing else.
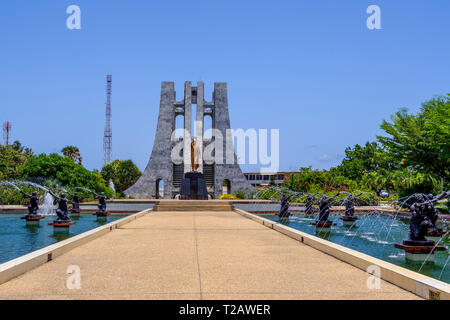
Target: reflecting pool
(17, 239)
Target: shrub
(227, 196)
(240, 194)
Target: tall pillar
(187, 126)
(229, 168)
(199, 125)
(160, 166)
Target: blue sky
(310, 68)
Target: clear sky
(310, 68)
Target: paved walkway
(197, 255)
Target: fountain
(435, 233)
(424, 217)
(309, 202)
(75, 209)
(284, 198)
(349, 219)
(46, 206)
(378, 229)
(32, 218)
(323, 224)
(101, 213)
(63, 222)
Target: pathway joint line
(198, 261)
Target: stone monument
(162, 167)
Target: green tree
(123, 173)
(422, 140)
(73, 153)
(16, 145)
(361, 160)
(64, 171)
(309, 180)
(12, 159)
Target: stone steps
(193, 205)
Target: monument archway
(161, 165)
(226, 186)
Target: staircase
(208, 173)
(178, 175)
(193, 205)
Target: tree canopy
(12, 159)
(123, 173)
(361, 160)
(65, 172)
(421, 141)
(73, 153)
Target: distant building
(258, 179)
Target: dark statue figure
(101, 201)
(324, 207)
(33, 205)
(309, 209)
(62, 211)
(75, 200)
(284, 209)
(424, 215)
(350, 205)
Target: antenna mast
(6, 132)
(107, 137)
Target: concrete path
(197, 255)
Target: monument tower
(217, 172)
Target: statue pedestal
(102, 215)
(284, 215)
(61, 226)
(348, 221)
(75, 212)
(435, 234)
(323, 226)
(419, 251)
(193, 187)
(309, 214)
(32, 219)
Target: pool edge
(419, 284)
(18, 266)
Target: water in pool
(375, 235)
(17, 239)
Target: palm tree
(73, 153)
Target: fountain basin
(348, 220)
(323, 226)
(75, 212)
(419, 251)
(435, 234)
(32, 219)
(61, 226)
(102, 213)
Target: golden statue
(195, 155)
